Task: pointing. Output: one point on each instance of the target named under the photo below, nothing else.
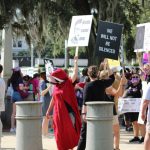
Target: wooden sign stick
(76, 52)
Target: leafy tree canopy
(46, 24)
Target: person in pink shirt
(35, 86)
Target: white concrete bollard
(28, 131)
(99, 126)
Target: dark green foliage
(46, 24)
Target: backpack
(79, 96)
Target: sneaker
(134, 140)
(51, 131)
(129, 129)
(12, 130)
(141, 140)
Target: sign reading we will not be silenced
(108, 40)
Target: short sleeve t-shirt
(147, 97)
(35, 83)
(95, 90)
(134, 91)
(43, 86)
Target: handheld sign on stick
(108, 40)
(49, 67)
(77, 49)
(79, 31)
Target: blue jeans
(16, 97)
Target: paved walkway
(9, 142)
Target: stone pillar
(28, 131)
(99, 126)
(6, 52)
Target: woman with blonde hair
(111, 95)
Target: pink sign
(145, 57)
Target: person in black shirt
(134, 90)
(93, 91)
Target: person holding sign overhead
(95, 89)
(66, 117)
(111, 95)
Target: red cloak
(66, 134)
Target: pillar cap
(99, 103)
(28, 102)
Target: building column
(6, 52)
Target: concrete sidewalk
(9, 142)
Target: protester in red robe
(66, 117)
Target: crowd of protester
(64, 100)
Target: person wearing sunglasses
(134, 90)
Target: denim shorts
(16, 97)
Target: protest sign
(113, 63)
(146, 57)
(48, 66)
(142, 40)
(80, 30)
(108, 40)
(129, 105)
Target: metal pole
(32, 57)
(66, 55)
(121, 52)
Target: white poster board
(147, 37)
(80, 30)
(142, 42)
(129, 105)
(49, 67)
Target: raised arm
(119, 92)
(108, 82)
(75, 69)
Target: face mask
(135, 80)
